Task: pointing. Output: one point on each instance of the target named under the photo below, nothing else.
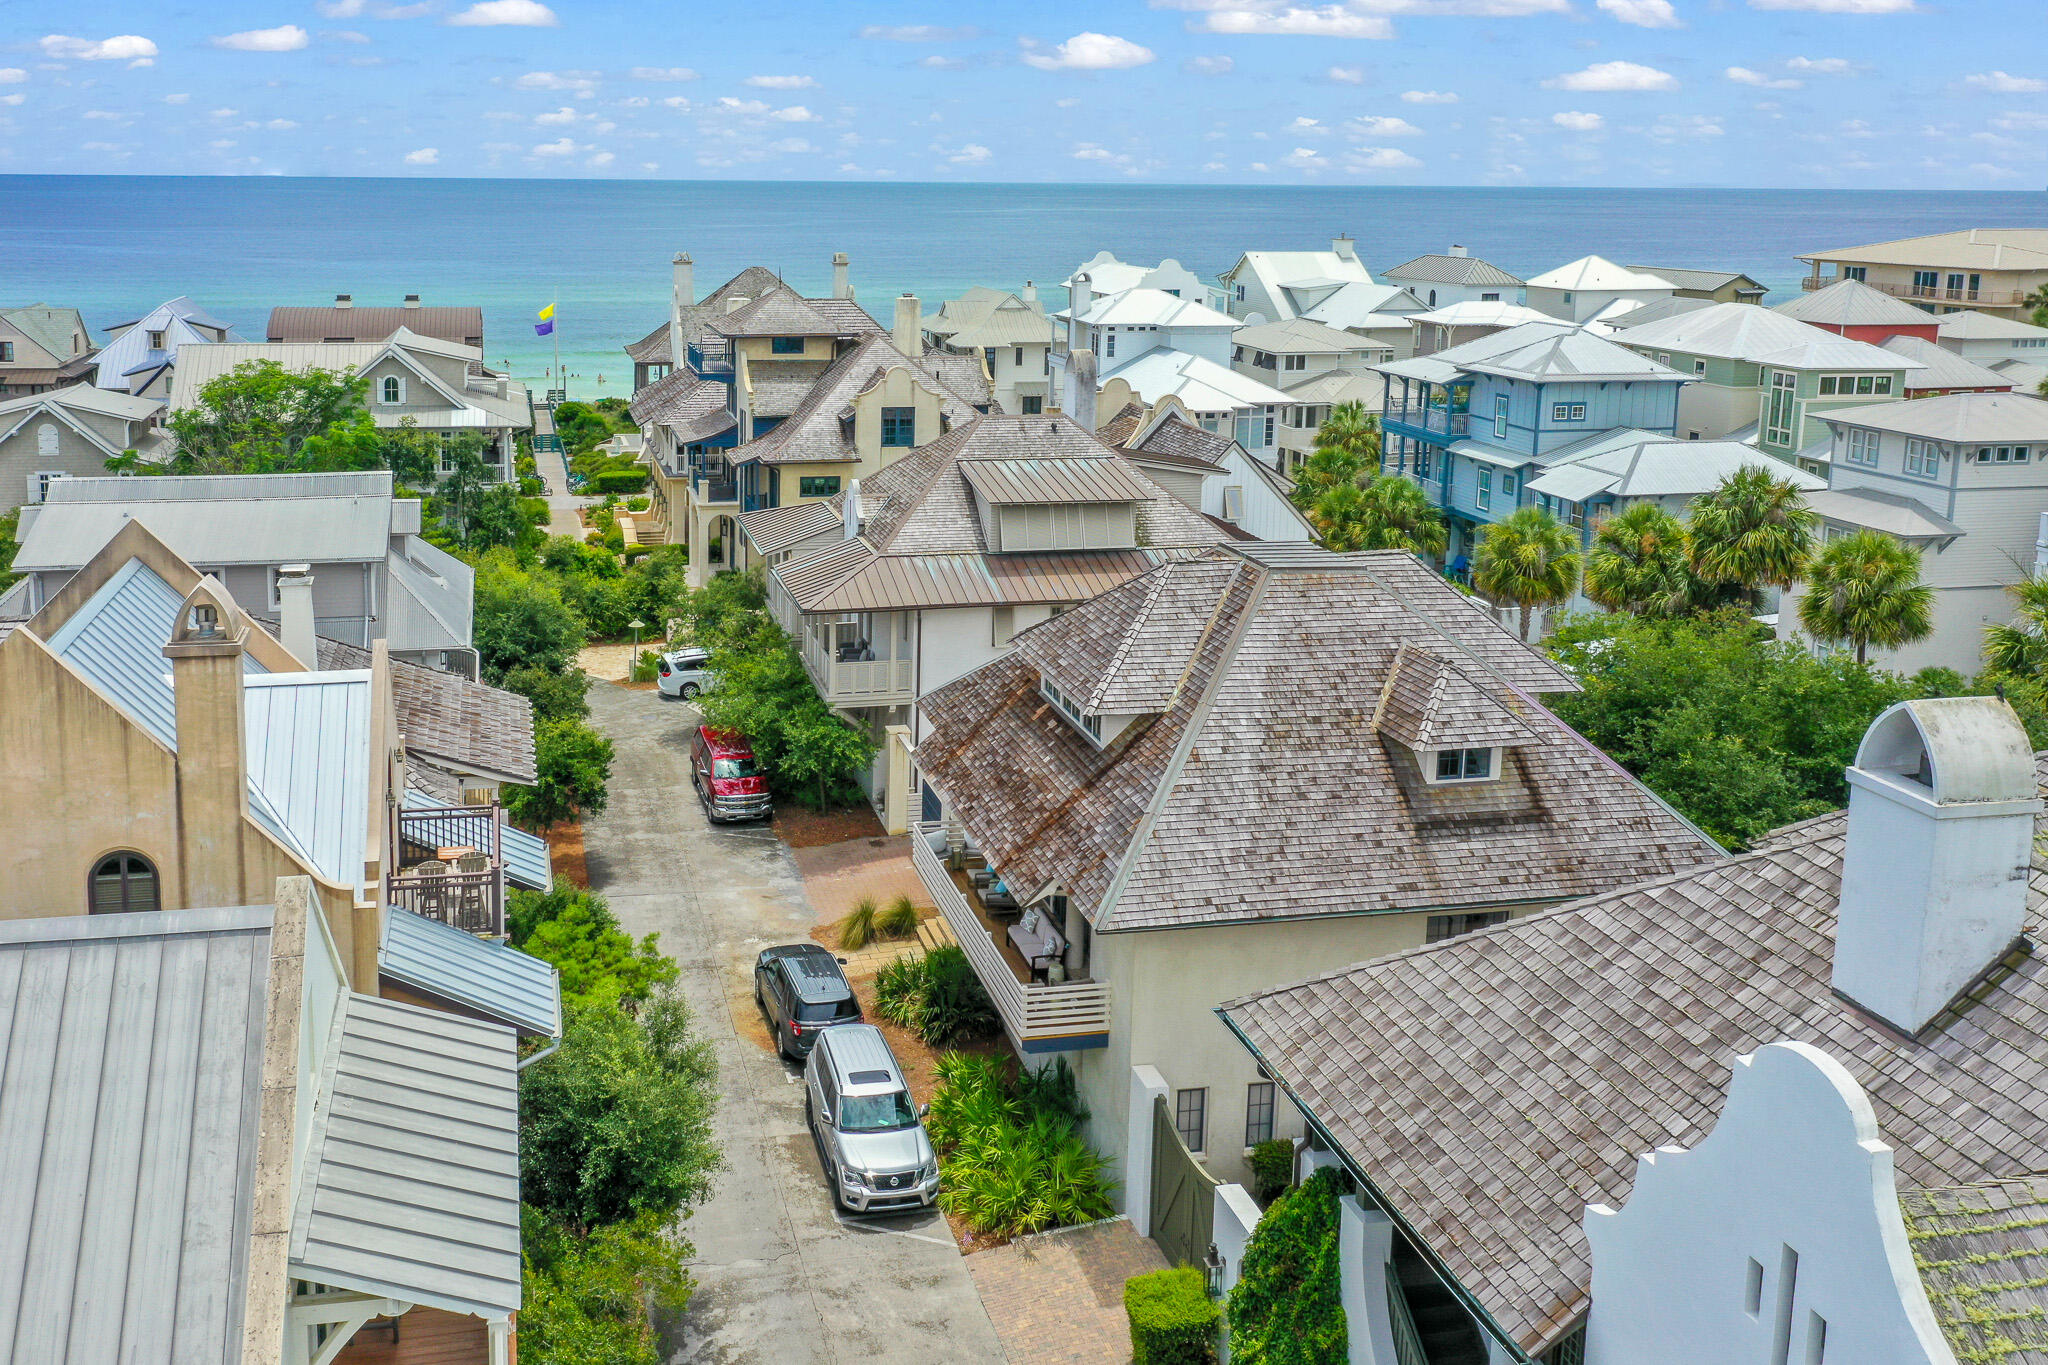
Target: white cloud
(425, 156)
(1379, 159)
(1839, 6)
(1743, 75)
(1209, 66)
(340, 9)
(1574, 121)
(1088, 151)
(2021, 121)
(1305, 124)
(662, 73)
(1215, 165)
(1067, 103)
(14, 99)
(934, 62)
(561, 117)
(1682, 128)
(1315, 21)
(1305, 159)
(732, 105)
(2001, 83)
(1643, 13)
(343, 35)
(126, 47)
(1818, 66)
(791, 146)
(1985, 168)
(795, 113)
(782, 82)
(1429, 97)
(1346, 75)
(918, 33)
(12, 75)
(505, 13)
(1090, 52)
(972, 154)
(224, 113)
(1609, 77)
(103, 114)
(221, 144)
(600, 159)
(177, 99)
(1381, 125)
(559, 147)
(582, 83)
(677, 102)
(280, 125)
(283, 38)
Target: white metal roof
(491, 978)
(1661, 467)
(131, 1069)
(1368, 307)
(1848, 303)
(1960, 417)
(1597, 274)
(1743, 331)
(1482, 313)
(1153, 308)
(216, 519)
(1941, 368)
(1300, 336)
(1277, 271)
(86, 398)
(307, 750)
(1971, 325)
(410, 1187)
(1199, 382)
(1550, 351)
(1969, 248)
(1892, 513)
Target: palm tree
(2021, 648)
(1530, 559)
(1353, 430)
(1330, 467)
(1387, 512)
(1753, 531)
(1639, 564)
(1864, 589)
(2036, 303)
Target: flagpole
(561, 380)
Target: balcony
(862, 662)
(711, 358)
(714, 488)
(1931, 293)
(1435, 420)
(1039, 1017)
(450, 867)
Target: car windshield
(734, 767)
(876, 1113)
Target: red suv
(728, 780)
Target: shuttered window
(121, 884)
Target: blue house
(1474, 423)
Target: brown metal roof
(1065, 479)
(777, 529)
(854, 577)
(463, 325)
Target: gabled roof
(1153, 308)
(1597, 274)
(775, 529)
(85, 398)
(695, 409)
(1969, 248)
(1853, 303)
(651, 349)
(1493, 1085)
(445, 717)
(1970, 325)
(51, 328)
(131, 1085)
(1198, 382)
(1481, 313)
(1365, 307)
(1340, 386)
(1642, 464)
(779, 312)
(1277, 271)
(203, 364)
(815, 431)
(1549, 350)
(1429, 702)
(1743, 331)
(1173, 439)
(1685, 278)
(1260, 667)
(990, 317)
(1300, 336)
(1954, 417)
(1941, 368)
(1468, 270)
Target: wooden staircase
(935, 933)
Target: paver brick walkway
(1058, 1298)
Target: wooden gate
(1183, 1194)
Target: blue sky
(1840, 93)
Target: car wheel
(690, 691)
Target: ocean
(115, 246)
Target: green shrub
(899, 994)
(596, 959)
(640, 504)
(527, 910)
(555, 696)
(574, 765)
(1173, 1319)
(1272, 1167)
(585, 1299)
(618, 481)
(857, 926)
(1052, 1090)
(646, 666)
(935, 995)
(900, 920)
(536, 510)
(1010, 1167)
(1285, 1307)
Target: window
(1442, 927)
(1294, 362)
(1500, 416)
(1699, 367)
(6, 353)
(1663, 357)
(1088, 725)
(2002, 454)
(1923, 458)
(156, 341)
(1109, 343)
(1567, 412)
(42, 479)
(1860, 447)
(1489, 298)
(1507, 486)
(391, 390)
(1925, 281)
(817, 485)
(1233, 503)
(899, 426)
(122, 883)
(1464, 765)
(786, 346)
(1032, 404)
(1854, 272)
(1484, 493)
(1781, 402)
(1258, 1113)
(1191, 1117)
(1240, 293)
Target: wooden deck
(997, 928)
(426, 1336)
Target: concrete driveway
(781, 1277)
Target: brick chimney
(295, 613)
(908, 332)
(1942, 800)
(842, 286)
(205, 651)
(344, 301)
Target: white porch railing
(1038, 1018)
(856, 682)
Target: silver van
(868, 1130)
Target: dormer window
(1087, 724)
(156, 341)
(1465, 765)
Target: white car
(682, 673)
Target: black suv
(800, 988)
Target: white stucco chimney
(842, 286)
(909, 320)
(295, 613)
(1081, 374)
(412, 301)
(344, 301)
(1346, 249)
(854, 521)
(681, 295)
(1030, 294)
(1942, 800)
(1457, 250)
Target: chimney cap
(343, 301)
(680, 258)
(295, 571)
(412, 300)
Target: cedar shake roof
(1493, 1085)
(1122, 427)
(779, 313)
(449, 720)
(815, 429)
(1179, 441)
(651, 349)
(1982, 1251)
(1431, 703)
(1260, 669)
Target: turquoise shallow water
(116, 245)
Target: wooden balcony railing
(858, 682)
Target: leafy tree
(1864, 589)
(520, 620)
(263, 418)
(10, 546)
(617, 1123)
(1739, 731)
(555, 696)
(573, 764)
(526, 911)
(818, 747)
(1639, 563)
(1529, 559)
(463, 479)
(1753, 531)
(764, 694)
(413, 456)
(496, 518)
(2019, 648)
(585, 1299)
(598, 961)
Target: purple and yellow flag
(547, 321)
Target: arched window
(394, 389)
(122, 882)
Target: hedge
(1173, 1319)
(617, 481)
(1286, 1307)
(1273, 1167)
